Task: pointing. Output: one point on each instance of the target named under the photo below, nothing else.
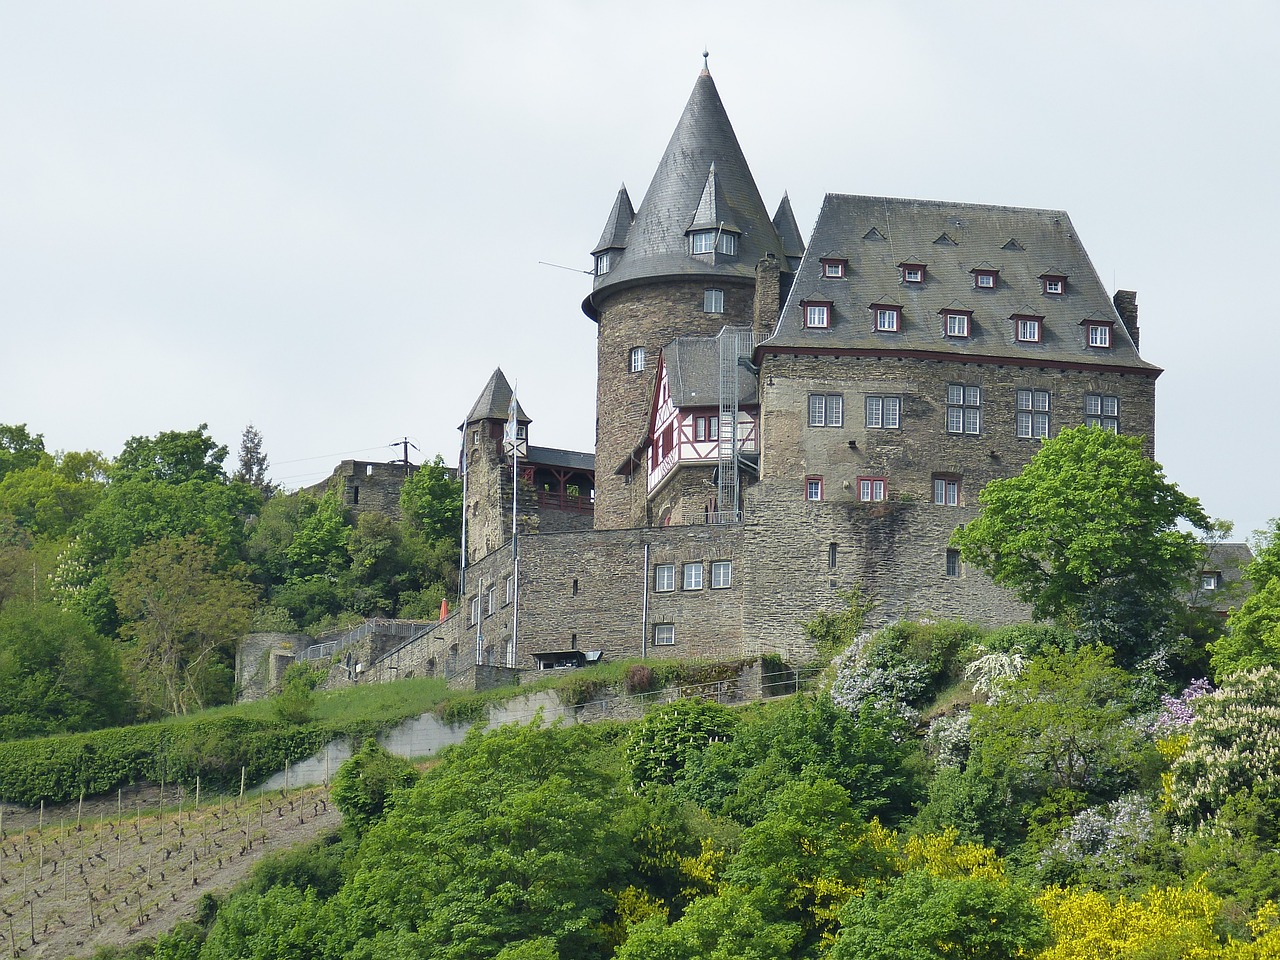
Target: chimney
(768, 299)
(1126, 302)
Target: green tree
(662, 744)
(296, 701)
(48, 498)
(18, 448)
(56, 674)
(918, 916)
(1252, 638)
(363, 785)
(431, 500)
(728, 926)
(173, 456)
(1058, 732)
(183, 615)
(1088, 535)
(253, 463)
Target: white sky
(326, 218)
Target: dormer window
(957, 322)
(833, 269)
(817, 315)
(714, 241)
(1098, 333)
(1027, 329)
(602, 263)
(912, 272)
(985, 279)
(1210, 579)
(1055, 284)
(887, 317)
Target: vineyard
(74, 878)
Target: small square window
(985, 279)
(817, 315)
(721, 574)
(692, 576)
(826, 410)
(1028, 329)
(872, 489)
(703, 241)
(912, 272)
(884, 413)
(1053, 285)
(946, 491)
(664, 634)
(636, 359)
(833, 269)
(664, 577)
(1099, 335)
(886, 319)
(957, 324)
(713, 301)
(813, 488)
(1209, 580)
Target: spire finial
(705, 69)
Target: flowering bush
(1176, 713)
(1233, 744)
(868, 674)
(947, 740)
(988, 671)
(1105, 836)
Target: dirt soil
(119, 869)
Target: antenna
(404, 443)
(561, 266)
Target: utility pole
(404, 443)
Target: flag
(512, 429)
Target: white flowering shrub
(989, 671)
(868, 674)
(947, 740)
(1104, 837)
(1233, 744)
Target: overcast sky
(326, 218)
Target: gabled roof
(693, 374)
(555, 457)
(618, 225)
(657, 244)
(784, 222)
(713, 210)
(494, 402)
(876, 234)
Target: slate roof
(693, 374)
(618, 225)
(494, 402)
(657, 244)
(877, 234)
(554, 457)
(784, 222)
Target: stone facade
(365, 485)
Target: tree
(183, 615)
(1088, 535)
(47, 498)
(1253, 629)
(919, 916)
(1059, 729)
(56, 674)
(363, 785)
(18, 448)
(431, 500)
(662, 744)
(253, 463)
(172, 456)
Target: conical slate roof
(494, 402)
(618, 225)
(657, 244)
(784, 222)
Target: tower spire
(705, 68)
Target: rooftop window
(912, 272)
(834, 269)
(1055, 284)
(817, 314)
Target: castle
(779, 423)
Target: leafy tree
(18, 448)
(183, 615)
(662, 744)
(728, 926)
(1252, 639)
(508, 839)
(282, 922)
(1059, 730)
(296, 702)
(363, 785)
(49, 497)
(918, 916)
(1088, 535)
(253, 463)
(56, 674)
(172, 456)
(1167, 922)
(431, 500)
(319, 546)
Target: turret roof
(618, 225)
(494, 402)
(657, 243)
(784, 222)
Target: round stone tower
(701, 253)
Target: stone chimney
(1126, 302)
(768, 300)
